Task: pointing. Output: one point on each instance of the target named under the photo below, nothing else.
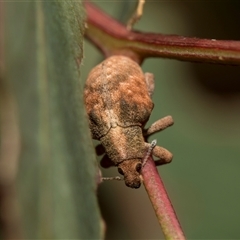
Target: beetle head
(131, 170)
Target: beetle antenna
(112, 178)
(152, 145)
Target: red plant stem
(160, 201)
(111, 37)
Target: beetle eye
(120, 171)
(138, 167)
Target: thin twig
(161, 203)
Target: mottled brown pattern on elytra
(118, 102)
(116, 93)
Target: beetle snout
(131, 170)
(133, 184)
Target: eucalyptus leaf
(57, 169)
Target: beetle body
(118, 103)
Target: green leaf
(56, 180)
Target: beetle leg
(163, 154)
(106, 162)
(158, 126)
(149, 79)
(99, 149)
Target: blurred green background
(203, 181)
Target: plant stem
(111, 37)
(161, 203)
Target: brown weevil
(118, 102)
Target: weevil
(118, 102)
